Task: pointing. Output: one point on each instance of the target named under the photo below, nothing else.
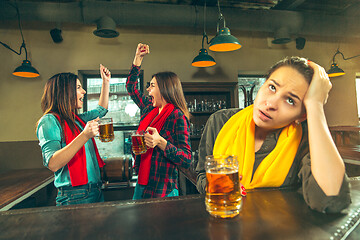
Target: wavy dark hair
(298, 63)
(60, 98)
(171, 90)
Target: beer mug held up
(106, 130)
(223, 197)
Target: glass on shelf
(196, 130)
(206, 105)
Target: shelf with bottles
(205, 106)
(204, 99)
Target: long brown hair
(171, 90)
(60, 98)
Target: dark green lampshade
(224, 41)
(335, 71)
(106, 28)
(26, 70)
(203, 59)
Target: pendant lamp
(281, 36)
(25, 69)
(335, 70)
(203, 59)
(223, 41)
(106, 28)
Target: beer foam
(223, 170)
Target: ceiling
(332, 18)
(333, 7)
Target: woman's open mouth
(151, 98)
(264, 116)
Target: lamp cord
(338, 52)
(204, 32)
(22, 36)
(221, 17)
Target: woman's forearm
(64, 155)
(137, 61)
(104, 95)
(327, 165)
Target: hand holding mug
(91, 128)
(152, 137)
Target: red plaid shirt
(163, 172)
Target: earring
(297, 122)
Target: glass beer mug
(106, 130)
(138, 142)
(223, 197)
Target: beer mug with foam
(106, 130)
(138, 142)
(223, 195)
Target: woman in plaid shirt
(165, 118)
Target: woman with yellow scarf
(283, 138)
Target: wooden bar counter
(17, 185)
(272, 214)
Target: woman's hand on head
(152, 137)
(319, 88)
(105, 73)
(91, 128)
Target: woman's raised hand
(141, 51)
(92, 128)
(105, 73)
(318, 91)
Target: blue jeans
(89, 193)
(139, 189)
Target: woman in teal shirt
(66, 138)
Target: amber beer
(106, 130)
(138, 143)
(223, 197)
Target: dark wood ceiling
(332, 7)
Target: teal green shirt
(49, 133)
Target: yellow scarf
(237, 137)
